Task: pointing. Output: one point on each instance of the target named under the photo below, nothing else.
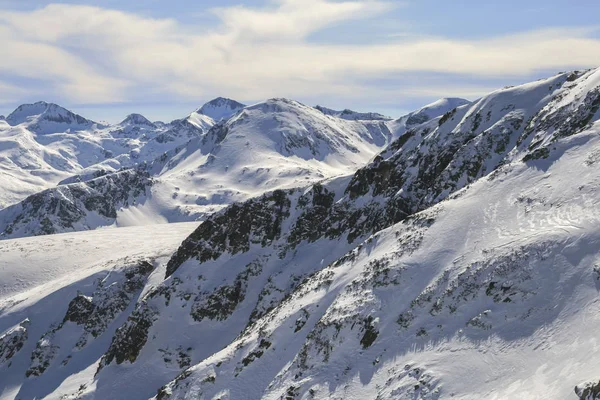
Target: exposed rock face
(93, 314)
(80, 309)
(12, 341)
(130, 338)
(70, 207)
(588, 391)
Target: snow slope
(479, 297)
(45, 118)
(41, 275)
(435, 109)
(286, 314)
(476, 297)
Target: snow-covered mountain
(137, 120)
(459, 263)
(277, 144)
(220, 108)
(439, 107)
(353, 115)
(45, 118)
(43, 144)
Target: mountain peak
(352, 115)
(435, 109)
(43, 112)
(445, 103)
(220, 108)
(137, 119)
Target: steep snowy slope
(93, 275)
(27, 166)
(33, 156)
(489, 295)
(493, 280)
(435, 109)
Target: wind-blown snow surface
(460, 263)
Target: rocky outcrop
(74, 206)
(93, 314)
(12, 341)
(588, 391)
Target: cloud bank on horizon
(83, 54)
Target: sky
(105, 59)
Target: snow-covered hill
(460, 263)
(195, 169)
(101, 272)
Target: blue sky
(107, 58)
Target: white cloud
(93, 55)
(292, 19)
(9, 91)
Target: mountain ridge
(279, 143)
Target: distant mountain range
(84, 175)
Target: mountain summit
(353, 115)
(435, 109)
(137, 119)
(220, 108)
(43, 117)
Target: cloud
(95, 55)
(293, 19)
(9, 91)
